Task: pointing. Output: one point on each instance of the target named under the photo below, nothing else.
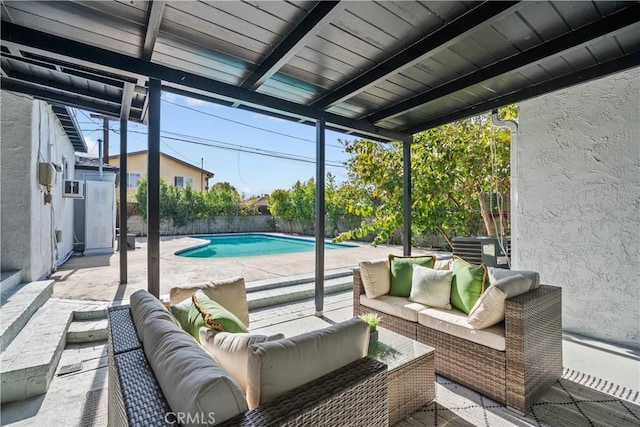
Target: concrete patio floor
(97, 277)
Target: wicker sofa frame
(354, 395)
(516, 377)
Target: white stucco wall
(16, 178)
(31, 134)
(578, 213)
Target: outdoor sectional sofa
(513, 362)
(160, 375)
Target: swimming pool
(252, 244)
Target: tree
(453, 169)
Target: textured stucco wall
(578, 213)
(32, 134)
(16, 177)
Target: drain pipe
(100, 158)
(512, 125)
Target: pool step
(296, 292)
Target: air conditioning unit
(73, 189)
(492, 251)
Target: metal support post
(153, 189)
(320, 207)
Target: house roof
(379, 69)
(91, 163)
(208, 173)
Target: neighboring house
(173, 171)
(262, 204)
(38, 144)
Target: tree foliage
(453, 168)
(183, 205)
(296, 206)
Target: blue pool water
(253, 244)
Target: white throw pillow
(431, 287)
(229, 293)
(496, 274)
(376, 277)
(489, 309)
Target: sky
(226, 128)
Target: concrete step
(83, 331)
(18, 305)
(29, 362)
(284, 294)
(278, 282)
(9, 280)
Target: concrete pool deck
(97, 277)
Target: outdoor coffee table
(411, 376)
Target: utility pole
(105, 135)
(201, 175)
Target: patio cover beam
(416, 53)
(320, 223)
(550, 49)
(58, 98)
(182, 79)
(156, 9)
(609, 67)
(322, 14)
(63, 87)
(153, 190)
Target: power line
(117, 132)
(240, 148)
(246, 124)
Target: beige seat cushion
(395, 306)
(230, 293)
(231, 351)
(145, 306)
(489, 309)
(454, 322)
(376, 277)
(276, 367)
(190, 379)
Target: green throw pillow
(402, 272)
(467, 285)
(192, 320)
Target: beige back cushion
(230, 293)
(443, 264)
(191, 380)
(496, 274)
(231, 351)
(376, 277)
(144, 307)
(279, 366)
